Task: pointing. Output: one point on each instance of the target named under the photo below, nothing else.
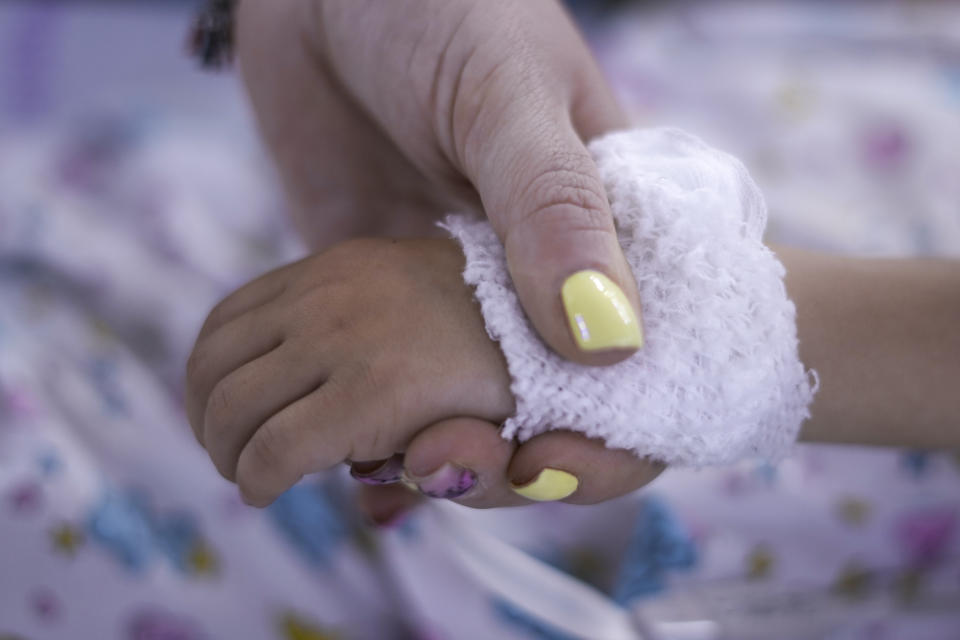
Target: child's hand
(341, 356)
(347, 356)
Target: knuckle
(264, 452)
(478, 98)
(260, 458)
(379, 378)
(215, 319)
(217, 414)
(196, 364)
(226, 467)
(566, 194)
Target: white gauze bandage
(719, 377)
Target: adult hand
(384, 115)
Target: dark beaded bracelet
(211, 38)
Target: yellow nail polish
(550, 484)
(599, 313)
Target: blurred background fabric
(134, 195)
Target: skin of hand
(346, 355)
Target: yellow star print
(202, 560)
(853, 582)
(66, 539)
(853, 511)
(759, 563)
(294, 628)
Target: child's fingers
(294, 442)
(351, 416)
(568, 466)
(462, 459)
(216, 355)
(255, 293)
(248, 396)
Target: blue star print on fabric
(49, 463)
(916, 462)
(177, 537)
(310, 521)
(120, 524)
(519, 619)
(103, 374)
(766, 473)
(660, 543)
(126, 526)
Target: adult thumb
(543, 194)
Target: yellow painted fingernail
(550, 484)
(599, 313)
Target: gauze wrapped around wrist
(718, 378)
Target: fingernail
(599, 313)
(549, 485)
(390, 472)
(448, 482)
